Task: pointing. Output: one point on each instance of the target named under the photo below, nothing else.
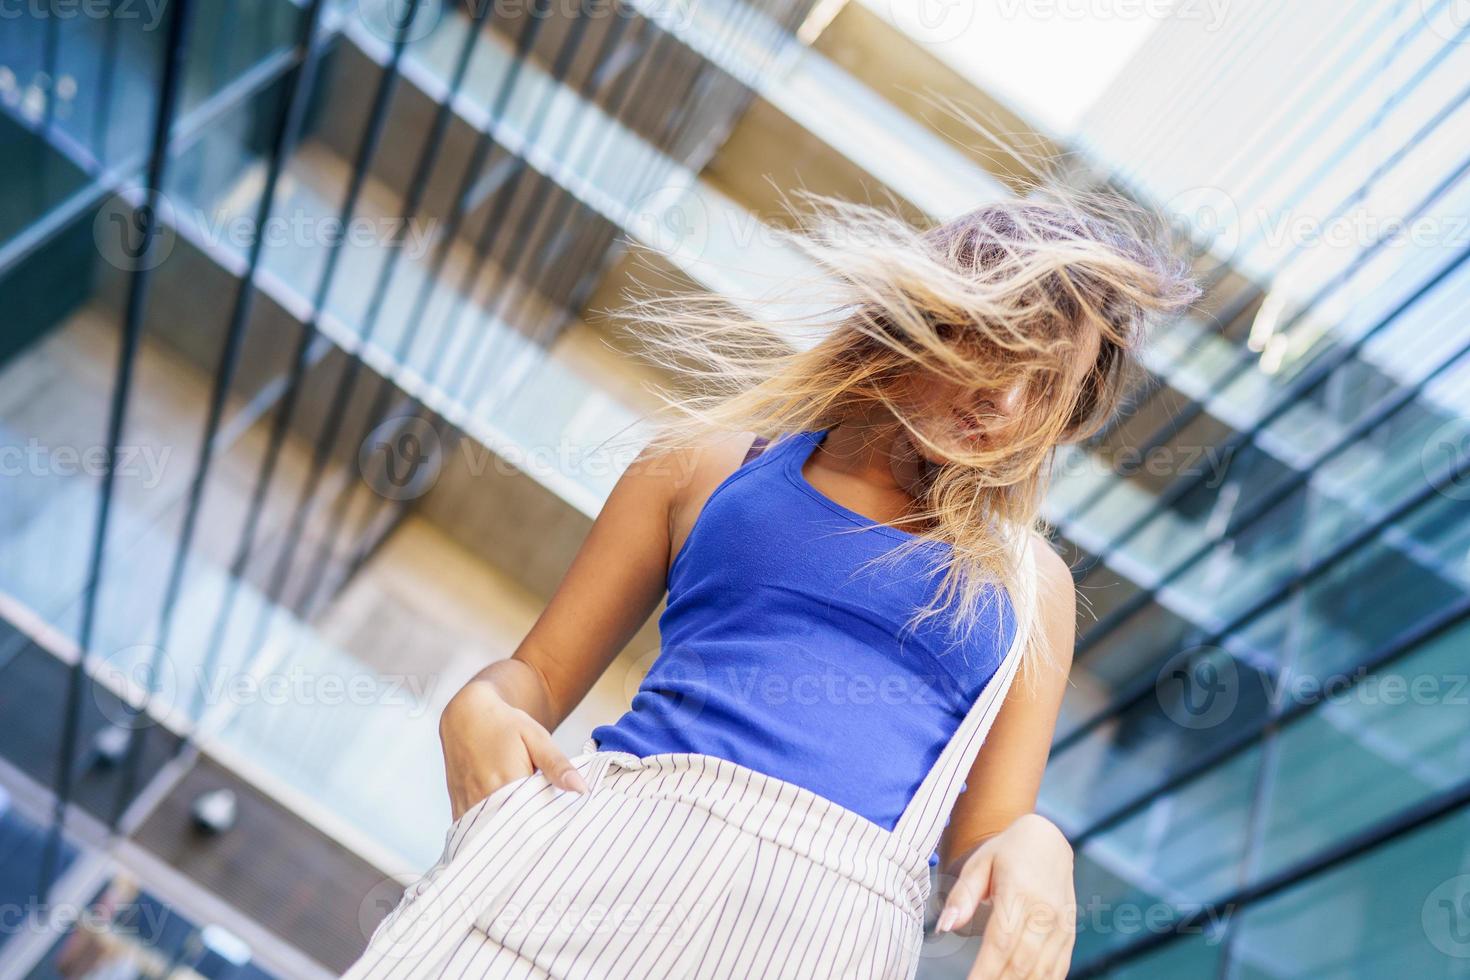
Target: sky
(1047, 59)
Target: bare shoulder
(711, 460)
(683, 478)
(690, 473)
(1052, 572)
(1056, 599)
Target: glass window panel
(1118, 661)
(1194, 957)
(1424, 335)
(335, 750)
(1398, 910)
(1373, 749)
(38, 178)
(1199, 704)
(1320, 621)
(1440, 535)
(1101, 591)
(22, 844)
(108, 67)
(1245, 567)
(1223, 486)
(1378, 474)
(1171, 860)
(1079, 474)
(1178, 340)
(1124, 503)
(1310, 524)
(127, 932)
(1397, 47)
(1451, 390)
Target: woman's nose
(1009, 402)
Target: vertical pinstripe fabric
(678, 866)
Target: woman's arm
(496, 729)
(996, 850)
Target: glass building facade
(304, 406)
(1264, 749)
(299, 420)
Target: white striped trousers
(677, 866)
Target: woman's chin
(966, 446)
(934, 459)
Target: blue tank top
(786, 649)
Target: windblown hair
(1007, 294)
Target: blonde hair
(997, 297)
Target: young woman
(845, 531)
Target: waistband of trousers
(782, 813)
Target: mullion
(170, 89)
(1312, 375)
(385, 389)
(397, 509)
(289, 122)
(1359, 430)
(306, 340)
(1317, 568)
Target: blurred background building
(305, 406)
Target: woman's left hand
(1024, 874)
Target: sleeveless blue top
(787, 650)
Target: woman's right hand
(489, 742)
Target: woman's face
(951, 415)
